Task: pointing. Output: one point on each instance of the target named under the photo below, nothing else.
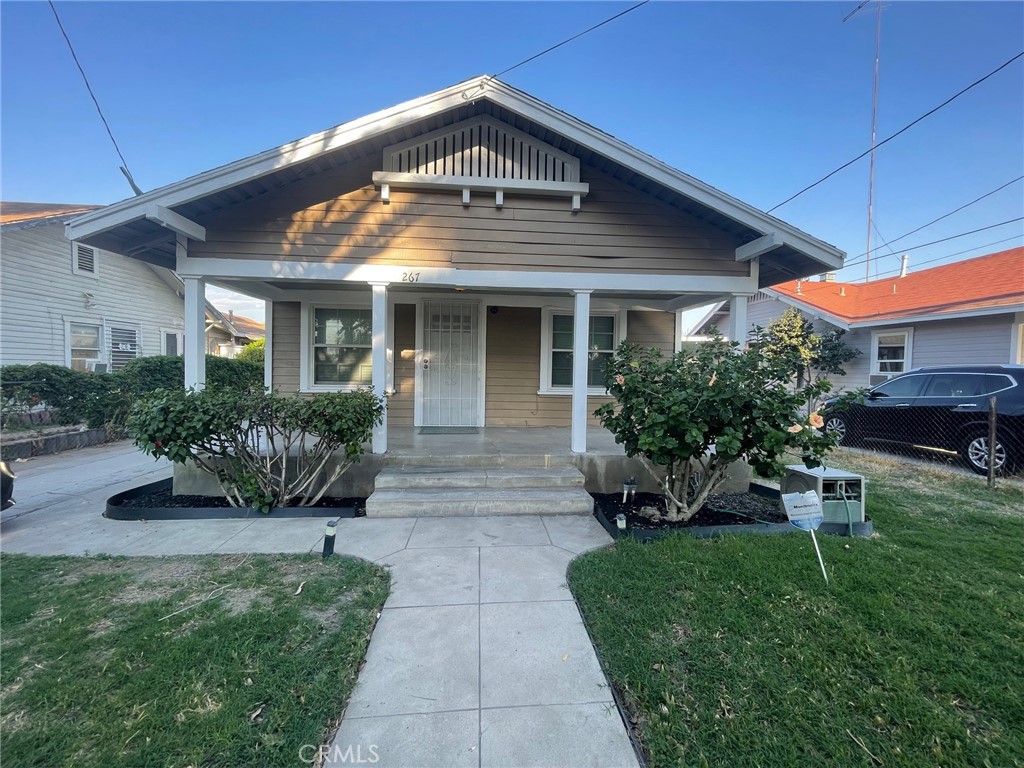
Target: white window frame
(306, 358)
(908, 350)
(95, 261)
(546, 347)
(68, 322)
(164, 333)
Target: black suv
(942, 409)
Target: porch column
(580, 357)
(195, 332)
(379, 357)
(738, 320)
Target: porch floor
(407, 442)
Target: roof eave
(530, 108)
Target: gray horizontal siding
(966, 341)
(38, 292)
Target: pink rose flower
(816, 421)
(620, 380)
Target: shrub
(105, 399)
(689, 416)
(265, 450)
(254, 352)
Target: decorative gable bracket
(481, 155)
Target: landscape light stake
(620, 521)
(332, 530)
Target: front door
(449, 381)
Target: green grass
(95, 674)
(734, 652)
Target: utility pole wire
(950, 255)
(574, 37)
(951, 237)
(472, 94)
(943, 216)
(88, 87)
(909, 125)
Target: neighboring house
(968, 312)
(476, 254)
(226, 335)
(78, 305)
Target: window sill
(314, 389)
(591, 392)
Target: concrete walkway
(480, 657)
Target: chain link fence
(966, 420)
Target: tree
(253, 352)
(689, 416)
(810, 356)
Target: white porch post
(195, 332)
(379, 357)
(738, 320)
(580, 357)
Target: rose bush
(689, 416)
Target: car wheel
(836, 427)
(975, 451)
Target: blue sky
(755, 98)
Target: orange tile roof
(987, 282)
(11, 213)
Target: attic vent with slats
(84, 260)
(481, 155)
(124, 346)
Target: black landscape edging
(118, 509)
(862, 530)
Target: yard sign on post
(804, 511)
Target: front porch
(604, 465)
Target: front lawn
(201, 661)
(734, 652)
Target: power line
(940, 218)
(909, 125)
(88, 87)
(945, 239)
(951, 255)
(565, 42)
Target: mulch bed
(719, 509)
(164, 498)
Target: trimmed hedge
(105, 399)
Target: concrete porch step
(484, 460)
(467, 502)
(409, 477)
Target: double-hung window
(890, 351)
(557, 363)
(342, 341)
(85, 345)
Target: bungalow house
(476, 254)
(72, 304)
(968, 312)
(68, 303)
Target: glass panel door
(451, 370)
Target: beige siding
(338, 216)
(652, 329)
(400, 404)
(513, 374)
(286, 329)
(39, 292)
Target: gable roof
(983, 285)
(138, 222)
(22, 213)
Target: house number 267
(410, 277)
